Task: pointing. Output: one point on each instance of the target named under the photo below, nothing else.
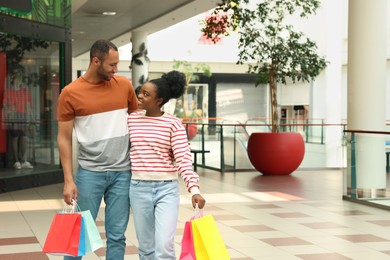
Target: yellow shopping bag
(208, 242)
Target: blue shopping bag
(93, 240)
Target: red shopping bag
(64, 235)
(187, 243)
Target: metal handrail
(240, 134)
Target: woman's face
(147, 97)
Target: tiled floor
(301, 216)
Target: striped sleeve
(182, 155)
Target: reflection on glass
(18, 117)
(191, 108)
(29, 87)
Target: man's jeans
(114, 188)
(155, 207)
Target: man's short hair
(101, 48)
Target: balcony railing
(226, 141)
(366, 178)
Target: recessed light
(109, 13)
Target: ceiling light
(109, 13)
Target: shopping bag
(93, 239)
(187, 243)
(81, 247)
(64, 235)
(208, 242)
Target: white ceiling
(88, 23)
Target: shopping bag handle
(73, 208)
(198, 212)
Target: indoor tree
(274, 51)
(189, 69)
(191, 72)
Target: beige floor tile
(279, 221)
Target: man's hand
(70, 192)
(198, 199)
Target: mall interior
(335, 205)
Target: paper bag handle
(74, 208)
(198, 213)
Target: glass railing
(225, 142)
(366, 175)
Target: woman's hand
(198, 199)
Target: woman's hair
(170, 85)
(101, 48)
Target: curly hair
(170, 85)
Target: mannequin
(18, 112)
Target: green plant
(138, 59)
(188, 69)
(15, 47)
(274, 51)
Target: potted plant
(275, 53)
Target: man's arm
(64, 139)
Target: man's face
(109, 66)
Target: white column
(334, 46)
(140, 60)
(367, 88)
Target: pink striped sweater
(159, 150)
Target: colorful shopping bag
(93, 239)
(64, 235)
(187, 243)
(81, 250)
(208, 242)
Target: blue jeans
(155, 208)
(114, 188)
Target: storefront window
(29, 87)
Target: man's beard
(103, 75)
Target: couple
(97, 105)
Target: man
(96, 106)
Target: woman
(159, 152)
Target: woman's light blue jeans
(155, 207)
(114, 188)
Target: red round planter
(276, 153)
(192, 130)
